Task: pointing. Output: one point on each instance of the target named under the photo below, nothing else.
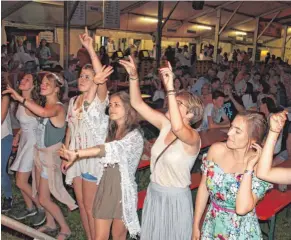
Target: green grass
(282, 230)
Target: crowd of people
(99, 152)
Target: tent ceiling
(134, 13)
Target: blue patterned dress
(221, 221)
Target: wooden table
(210, 136)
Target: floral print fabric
(221, 221)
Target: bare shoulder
(217, 150)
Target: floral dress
(221, 221)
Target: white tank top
(173, 169)
(6, 128)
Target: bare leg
(78, 183)
(26, 190)
(119, 230)
(102, 229)
(89, 192)
(52, 208)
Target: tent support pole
(284, 42)
(159, 31)
(255, 40)
(216, 37)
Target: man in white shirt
(214, 113)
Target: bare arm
(4, 107)
(238, 106)
(200, 205)
(68, 137)
(246, 199)
(154, 117)
(185, 133)
(265, 170)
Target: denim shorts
(88, 177)
(44, 173)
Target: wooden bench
(270, 206)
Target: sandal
(66, 235)
(47, 230)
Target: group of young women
(101, 154)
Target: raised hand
(254, 158)
(15, 95)
(277, 121)
(102, 76)
(69, 155)
(130, 67)
(86, 40)
(168, 77)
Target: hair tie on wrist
(133, 79)
(273, 131)
(23, 102)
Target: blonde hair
(59, 82)
(194, 104)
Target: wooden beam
(230, 17)
(16, 6)
(73, 10)
(171, 12)
(269, 23)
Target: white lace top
(127, 153)
(88, 129)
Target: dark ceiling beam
(16, 6)
(229, 10)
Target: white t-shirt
(216, 115)
(248, 101)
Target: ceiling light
(241, 33)
(204, 27)
(149, 19)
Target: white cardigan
(127, 153)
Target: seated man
(214, 115)
(232, 103)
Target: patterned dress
(221, 221)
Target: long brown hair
(131, 118)
(35, 93)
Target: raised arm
(44, 112)
(265, 171)
(99, 87)
(238, 106)
(154, 117)
(183, 131)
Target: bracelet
(172, 93)
(77, 153)
(133, 79)
(23, 102)
(249, 172)
(273, 131)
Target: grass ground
(282, 231)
